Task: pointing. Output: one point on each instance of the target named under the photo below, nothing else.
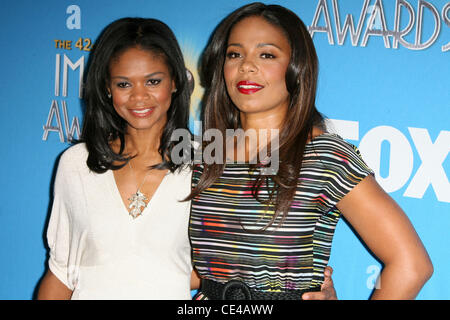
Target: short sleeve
(343, 168)
(58, 232)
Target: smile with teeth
(141, 112)
(247, 87)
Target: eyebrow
(259, 45)
(147, 76)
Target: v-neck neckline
(116, 194)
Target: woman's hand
(327, 291)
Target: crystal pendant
(137, 204)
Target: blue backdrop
(384, 84)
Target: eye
(233, 55)
(122, 85)
(154, 82)
(267, 56)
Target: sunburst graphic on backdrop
(191, 58)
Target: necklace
(138, 200)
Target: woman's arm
(387, 231)
(195, 280)
(52, 288)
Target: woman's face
(141, 87)
(257, 56)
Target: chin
(250, 108)
(142, 124)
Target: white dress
(100, 252)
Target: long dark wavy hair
(102, 124)
(301, 81)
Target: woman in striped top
(260, 235)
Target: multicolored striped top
(291, 256)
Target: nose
(139, 93)
(248, 65)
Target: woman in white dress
(118, 228)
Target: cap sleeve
(343, 168)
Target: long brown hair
(301, 80)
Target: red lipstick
(248, 87)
